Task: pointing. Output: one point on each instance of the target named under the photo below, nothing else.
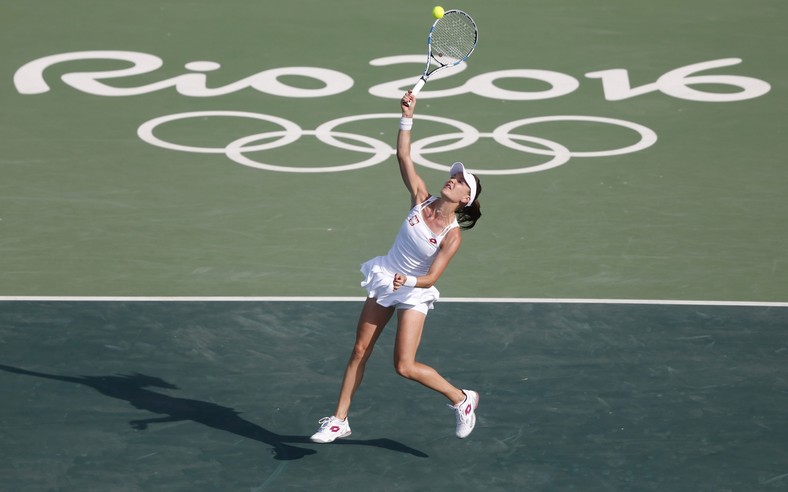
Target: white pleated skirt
(379, 283)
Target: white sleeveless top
(412, 254)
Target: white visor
(458, 167)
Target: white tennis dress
(412, 254)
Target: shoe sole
(342, 436)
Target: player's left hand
(399, 280)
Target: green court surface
(87, 207)
(621, 305)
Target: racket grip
(418, 86)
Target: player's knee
(360, 352)
(406, 369)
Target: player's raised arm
(413, 182)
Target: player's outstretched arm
(407, 169)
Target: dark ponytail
(467, 216)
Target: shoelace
(458, 412)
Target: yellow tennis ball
(437, 12)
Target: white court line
(516, 300)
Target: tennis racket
(451, 41)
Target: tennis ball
(437, 12)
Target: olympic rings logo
(464, 136)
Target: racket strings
(453, 38)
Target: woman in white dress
(404, 281)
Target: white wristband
(405, 123)
(410, 282)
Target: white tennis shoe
(331, 428)
(466, 413)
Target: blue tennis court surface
(223, 396)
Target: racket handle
(417, 87)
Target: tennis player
(404, 281)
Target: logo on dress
(413, 220)
(433, 240)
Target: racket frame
(427, 72)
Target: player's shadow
(132, 388)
